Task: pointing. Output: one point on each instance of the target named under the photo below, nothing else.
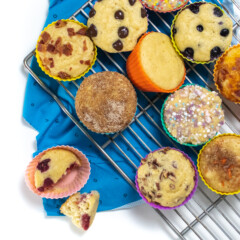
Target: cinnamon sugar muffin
(219, 163)
(106, 102)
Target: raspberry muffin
(201, 32)
(64, 52)
(116, 25)
(81, 208)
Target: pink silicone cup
(69, 184)
(187, 198)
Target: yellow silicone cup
(58, 78)
(216, 67)
(200, 174)
(172, 38)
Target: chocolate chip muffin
(219, 163)
(63, 51)
(166, 177)
(116, 25)
(202, 32)
(106, 102)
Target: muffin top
(160, 61)
(53, 165)
(219, 163)
(202, 32)
(166, 177)
(116, 25)
(227, 74)
(106, 102)
(64, 49)
(193, 114)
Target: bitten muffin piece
(227, 74)
(202, 32)
(64, 49)
(166, 177)
(53, 165)
(116, 25)
(219, 164)
(81, 208)
(106, 102)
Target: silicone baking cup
(200, 174)
(164, 125)
(69, 184)
(172, 37)
(187, 198)
(137, 74)
(216, 67)
(58, 78)
(162, 5)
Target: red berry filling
(85, 221)
(43, 165)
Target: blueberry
(188, 52)
(215, 52)
(217, 12)
(200, 28)
(224, 32)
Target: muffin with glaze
(201, 32)
(166, 178)
(219, 164)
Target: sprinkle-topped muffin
(64, 51)
(106, 102)
(219, 164)
(201, 32)
(166, 178)
(193, 115)
(116, 25)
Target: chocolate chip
(174, 31)
(131, 2)
(224, 32)
(220, 23)
(43, 165)
(165, 150)
(188, 52)
(217, 12)
(159, 196)
(92, 13)
(143, 12)
(92, 31)
(194, 8)
(123, 32)
(200, 28)
(118, 45)
(215, 52)
(155, 163)
(119, 15)
(147, 175)
(158, 186)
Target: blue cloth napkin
(55, 128)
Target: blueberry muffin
(52, 166)
(166, 177)
(202, 32)
(106, 102)
(116, 25)
(227, 74)
(81, 208)
(219, 163)
(63, 51)
(193, 115)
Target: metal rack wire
(207, 215)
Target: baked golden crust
(106, 102)
(227, 74)
(219, 164)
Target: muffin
(106, 102)
(201, 32)
(81, 208)
(166, 178)
(154, 65)
(219, 164)
(227, 74)
(164, 5)
(64, 52)
(116, 25)
(192, 115)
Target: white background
(21, 211)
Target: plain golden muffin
(166, 177)
(116, 25)
(106, 102)
(202, 32)
(219, 164)
(64, 50)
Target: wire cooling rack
(207, 215)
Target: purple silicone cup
(187, 198)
